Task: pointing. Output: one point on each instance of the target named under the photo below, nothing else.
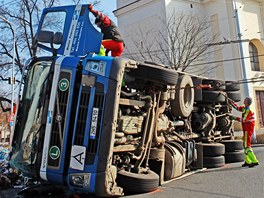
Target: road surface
(230, 181)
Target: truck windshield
(26, 136)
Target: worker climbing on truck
(248, 124)
(112, 39)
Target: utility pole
(239, 34)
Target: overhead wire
(242, 34)
(212, 62)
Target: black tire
(155, 73)
(235, 156)
(232, 145)
(182, 105)
(213, 97)
(138, 183)
(232, 86)
(234, 95)
(217, 85)
(213, 149)
(214, 162)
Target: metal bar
(128, 102)
(244, 72)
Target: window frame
(254, 59)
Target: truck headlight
(77, 180)
(82, 180)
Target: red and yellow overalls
(248, 125)
(112, 39)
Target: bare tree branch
(181, 42)
(24, 16)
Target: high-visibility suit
(248, 125)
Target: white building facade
(232, 20)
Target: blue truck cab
(67, 102)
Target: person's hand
(230, 101)
(90, 7)
(232, 117)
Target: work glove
(90, 7)
(232, 117)
(230, 101)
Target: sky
(106, 6)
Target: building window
(254, 59)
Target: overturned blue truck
(105, 125)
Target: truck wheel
(217, 85)
(213, 149)
(213, 97)
(234, 95)
(155, 73)
(235, 156)
(139, 183)
(232, 86)
(214, 162)
(182, 105)
(232, 145)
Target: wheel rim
(187, 96)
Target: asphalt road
(230, 181)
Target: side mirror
(42, 37)
(58, 38)
(45, 37)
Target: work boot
(253, 164)
(245, 164)
(252, 156)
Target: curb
(257, 145)
(185, 175)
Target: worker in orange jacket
(112, 39)
(248, 124)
